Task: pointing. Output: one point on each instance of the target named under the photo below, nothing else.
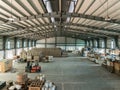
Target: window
(8, 44)
(33, 43)
(18, 44)
(103, 45)
(112, 44)
(29, 43)
(25, 44)
(96, 43)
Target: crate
(36, 85)
(5, 65)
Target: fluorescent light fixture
(10, 19)
(49, 9)
(71, 8)
(107, 18)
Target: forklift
(33, 67)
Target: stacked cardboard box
(5, 65)
(55, 52)
(21, 78)
(23, 54)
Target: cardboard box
(5, 65)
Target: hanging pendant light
(107, 18)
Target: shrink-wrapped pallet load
(23, 55)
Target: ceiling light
(107, 18)
(10, 19)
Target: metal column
(65, 42)
(116, 41)
(4, 46)
(89, 42)
(28, 44)
(98, 44)
(22, 43)
(75, 42)
(15, 45)
(105, 42)
(35, 43)
(93, 46)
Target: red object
(33, 71)
(36, 68)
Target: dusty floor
(73, 73)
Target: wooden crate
(36, 85)
(5, 65)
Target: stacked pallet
(55, 52)
(29, 55)
(23, 54)
(33, 55)
(5, 65)
(36, 85)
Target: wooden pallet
(36, 85)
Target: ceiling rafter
(63, 15)
(96, 33)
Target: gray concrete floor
(72, 73)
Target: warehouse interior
(59, 45)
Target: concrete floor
(73, 73)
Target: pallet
(36, 85)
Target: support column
(55, 41)
(105, 43)
(65, 42)
(89, 42)
(98, 43)
(45, 42)
(116, 42)
(4, 46)
(35, 43)
(22, 43)
(75, 42)
(28, 44)
(93, 46)
(15, 45)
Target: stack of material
(64, 54)
(91, 56)
(55, 52)
(49, 86)
(33, 55)
(23, 55)
(21, 78)
(36, 85)
(5, 65)
(48, 59)
(21, 82)
(29, 55)
(36, 54)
